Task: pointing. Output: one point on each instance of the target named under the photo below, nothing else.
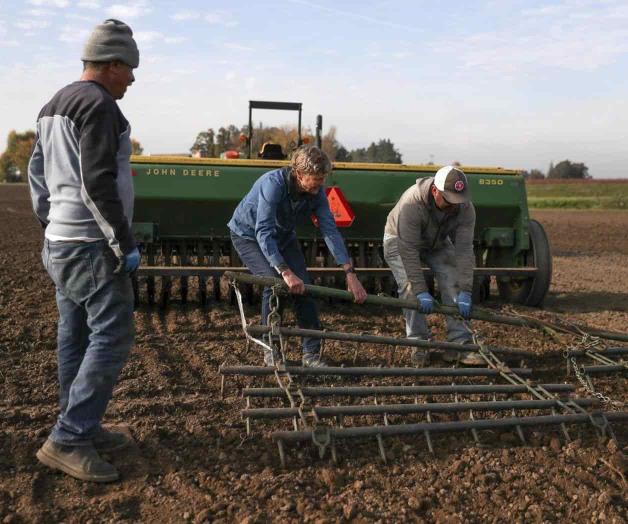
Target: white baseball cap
(453, 184)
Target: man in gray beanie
(82, 192)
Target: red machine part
(340, 208)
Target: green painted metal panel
(188, 199)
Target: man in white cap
(433, 222)
(82, 193)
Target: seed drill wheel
(530, 291)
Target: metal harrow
(317, 416)
(325, 425)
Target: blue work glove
(427, 302)
(465, 303)
(132, 261)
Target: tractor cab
(272, 151)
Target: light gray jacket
(421, 227)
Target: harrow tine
(563, 428)
(150, 280)
(380, 445)
(428, 439)
(183, 282)
(474, 431)
(248, 419)
(522, 437)
(282, 453)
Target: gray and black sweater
(420, 226)
(79, 172)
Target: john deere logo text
(156, 171)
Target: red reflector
(340, 208)
(133, 172)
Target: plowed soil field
(193, 462)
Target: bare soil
(193, 461)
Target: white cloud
(238, 47)
(88, 4)
(80, 18)
(174, 39)
(3, 28)
(223, 18)
(550, 36)
(184, 15)
(9, 43)
(39, 12)
(29, 25)
(73, 34)
(354, 15)
(400, 55)
(130, 10)
(147, 37)
(50, 3)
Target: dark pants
(305, 307)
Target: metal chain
(274, 322)
(584, 380)
(586, 343)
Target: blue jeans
(305, 307)
(443, 264)
(95, 333)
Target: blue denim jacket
(269, 214)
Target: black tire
(481, 289)
(531, 291)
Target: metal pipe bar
(605, 369)
(604, 352)
(463, 425)
(259, 371)
(405, 409)
(191, 271)
(477, 313)
(375, 339)
(363, 391)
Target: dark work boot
(313, 361)
(81, 462)
(107, 441)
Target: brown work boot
(468, 358)
(313, 361)
(81, 462)
(106, 441)
(419, 357)
(471, 359)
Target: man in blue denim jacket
(263, 232)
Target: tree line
(562, 170)
(14, 160)
(212, 144)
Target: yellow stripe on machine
(351, 166)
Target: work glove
(426, 301)
(132, 261)
(465, 303)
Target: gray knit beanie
(109, 41)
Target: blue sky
(509, 83)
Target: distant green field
(588, 194)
